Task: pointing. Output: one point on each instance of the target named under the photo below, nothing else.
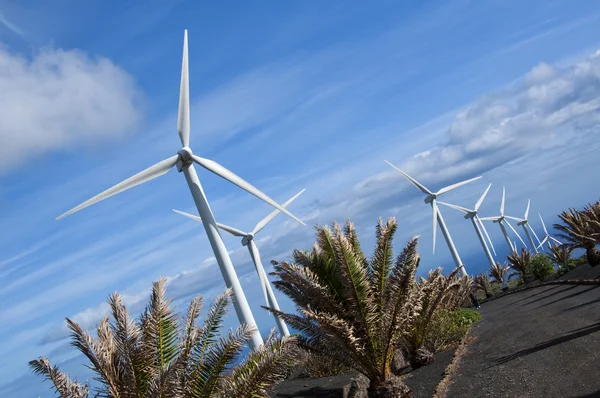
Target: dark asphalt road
(543, 342)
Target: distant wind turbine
(477, 224)
(248, 241)
(184, 160)
(501, 220)
(437, 215)
(547, 238)
(524, 222)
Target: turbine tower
(437, 215)
(524, 222)
(547, 238)
(477, 224)
(248, 241)
(501, 220)
(184, 160)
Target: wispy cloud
(10, 25)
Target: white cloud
(60, 98)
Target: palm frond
(62, 383)
(207, 374)
(263, 367)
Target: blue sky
(288, 95)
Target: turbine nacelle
(470, 215)
(430, 198)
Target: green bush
(448, 327)
(541, 267)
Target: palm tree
(482, 282)
(353, 309)
(499, 272)
(521, 263)
(581, 229)
(162, 356)
(561, 255)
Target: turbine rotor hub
(185, 158)
(430, 198)
(246, 239)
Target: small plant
(541, 267)
(500, 272)
(560, 255)
(581, 229)
(449, 327)
(482, 282)
(521, 263)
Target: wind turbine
(437, 215)
(248, 241)
(523, 222)
(184, 160)
(477, 224)
(501, 220)
(547, 238)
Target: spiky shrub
(160, 355)
(436, 294)
(482, 282)
(581, 229)
(560, 255)
(499, 272)
(520, 263)
(353, 309)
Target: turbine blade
(150, 173)
(486, 235)
(503, 200)
(435, 216)
(263, 223)
(259, 270)
(183, 115)
(517, 219)
(556, 240)
(490, 218)
(534, 234)
(222, 172)
(516, 233)
(480, 201)
(543, 225)
(527, 211)
(459, 208)
(543, 241)
(416, 183)
(454, 186)
(226, 228)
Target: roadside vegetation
(355, 312)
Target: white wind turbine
(248, 241)
(524, 222)
(547, 238)
(477, 224)
(184, 160)
(501, 220)
(437, 215)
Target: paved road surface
(543, 342)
